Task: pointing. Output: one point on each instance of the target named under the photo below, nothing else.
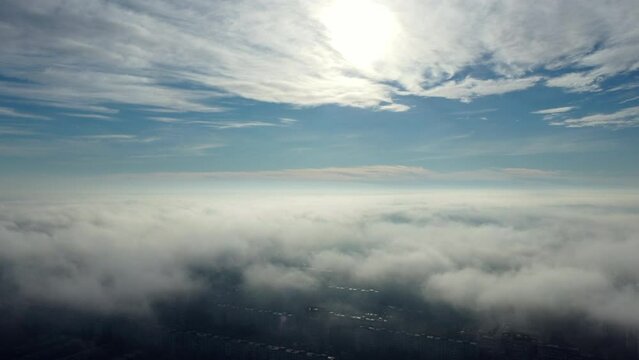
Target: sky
(422, 92)
(478, 154)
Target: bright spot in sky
(360, 30)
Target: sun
(360, 30)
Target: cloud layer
(494, 254)
(163, 55)
(624, 118)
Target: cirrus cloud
(624, 118)
(183, 57)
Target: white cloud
(361, 173)
(11, 113)
(288, 121)
(553, 111)
(577, 82)
(241, 124)
(373, 172)
(90, 116)
(469, 88)
(624, 87)
(183, 57)
(86, 88)
(109, 137)
(635, 98)
(227, 124)
(119, 138)
(395, 107)
(165, 119)
(498, 254)
(202, 149)
(624, 118)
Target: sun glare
(360, 30)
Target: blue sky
(469, 92)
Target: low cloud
(494, 254)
